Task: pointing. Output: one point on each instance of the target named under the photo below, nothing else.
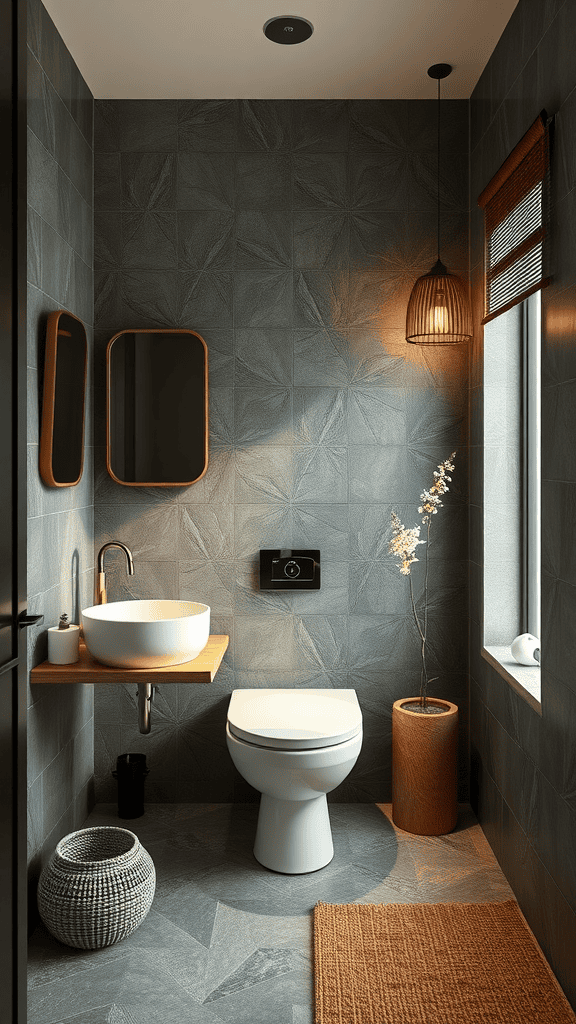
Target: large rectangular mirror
(64, 401)
(157, 408)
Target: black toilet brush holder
(131, 772)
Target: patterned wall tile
(34, 26)
(321, 475)
(206, 531)
(263, 240)
(320, 126)
(204, 300)
(264, 125)
(42, 190)
(75, 219)
(205, 181)
(520, 786)
(148, 181)
(206, 125)
(60, 523)
(321, 240)
(107, 181)
(371, 469)
(205, 240)
(263, 416)
(263, 357)
(321, 357)
(321, 299)
(262, 181)
(320, 416)
(221, 418)
(262, 525)
(149, 241)
(309, 378)
(319, 180)
(147, 126)
(210, 582)
(262, 299)
(377, 415)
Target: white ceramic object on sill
(526, 649)
(146, 634)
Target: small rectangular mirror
(64, 401)
(157, 408)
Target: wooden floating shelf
(88, 670)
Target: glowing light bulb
(439, 315)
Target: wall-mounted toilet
(294, 746)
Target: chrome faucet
(101, 597)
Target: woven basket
(96, 888)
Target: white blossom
(403, 544)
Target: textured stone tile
(206, 125)
(258, 969)
(263, 358)
(136, 979)
(262, 181)
(147, 125)
(321, 240)
(226, 936)
(263, 240)
(264, 125)
(205, 181)
(205, 240)
(312, 388)
(263, 1003)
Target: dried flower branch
(403, 546)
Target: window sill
(525, 679)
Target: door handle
(29, 620)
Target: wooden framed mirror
(64, 401)
(157, 408)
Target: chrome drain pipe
(145, 698)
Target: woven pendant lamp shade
(438, 311)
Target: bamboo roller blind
(516, 218)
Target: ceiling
(360, 49)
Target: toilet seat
(294, 719)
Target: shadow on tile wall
(288, 234)
(60, 520)
(523, 767)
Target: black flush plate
(289, 569)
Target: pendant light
(438, 310)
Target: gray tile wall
(60, 520)
(524, 766)
(289, 234)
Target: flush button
(289, 569)
(292, 570)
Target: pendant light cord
(438, 174)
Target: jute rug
(443, 963)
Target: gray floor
(227, 940)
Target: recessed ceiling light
(288, 29)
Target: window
(512, 486)
(531, 482)
(516, 217)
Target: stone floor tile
(228, 940)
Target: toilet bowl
(294, 746)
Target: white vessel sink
(146, 634)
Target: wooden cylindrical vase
(424, 768)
